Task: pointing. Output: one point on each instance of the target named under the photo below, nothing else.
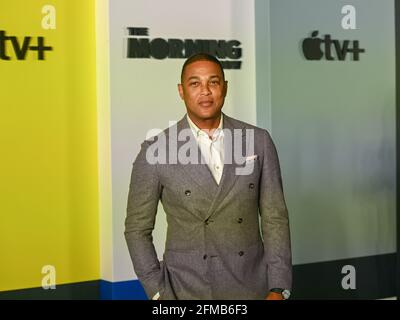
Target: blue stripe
(124, 290)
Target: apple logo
(312, 47)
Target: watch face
(286, 294)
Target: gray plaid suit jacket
(226, 241)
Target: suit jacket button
(241, 253)
(188, 193)
(205, 257)
(239, 220)
(251, 185)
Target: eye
(194, 84)
(214, 82)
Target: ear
(180, 90)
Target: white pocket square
(250, 158)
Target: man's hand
(274, 296)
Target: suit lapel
(201, 174)
(229, 175)
(198, 172)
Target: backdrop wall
(144, 95)
(48, 172)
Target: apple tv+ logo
(312, 48)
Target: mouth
(206, 103)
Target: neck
(206, 124)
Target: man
(228, 230)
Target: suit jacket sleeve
(144, 194)
(274, 220)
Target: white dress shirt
(211, 148)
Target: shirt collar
(198, 132)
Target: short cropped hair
(201, 57)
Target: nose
(205, 89)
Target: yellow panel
(48, 139)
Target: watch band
(277, 290)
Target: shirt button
(188, 193)
(251, 185)
(241, 253)
(205, 257)
(239, 220)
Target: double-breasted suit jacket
(224, 241)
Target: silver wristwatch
(284, 292)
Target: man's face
(203, 89)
